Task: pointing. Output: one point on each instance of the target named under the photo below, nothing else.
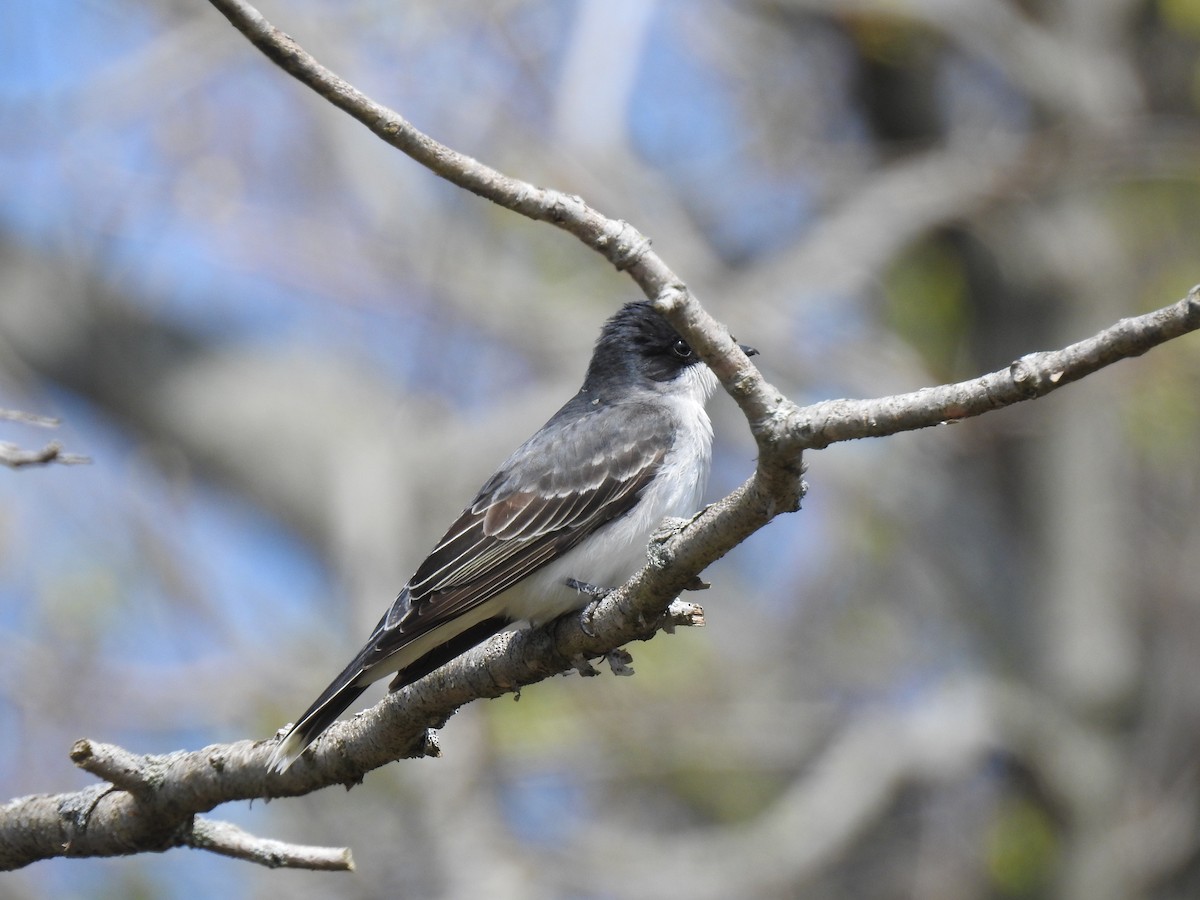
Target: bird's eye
(681, 349)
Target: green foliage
(1021, 849)
(926, 293)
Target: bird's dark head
(639, 345)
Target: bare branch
(15, 458)
(1033, 375)
(125, 770)
(28, 418)
(105, 821)
(227, 839)
(156, 807)
(615, 240)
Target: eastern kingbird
(572, 509)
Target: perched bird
(564, 518)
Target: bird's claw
(583, 667)
(597, 594)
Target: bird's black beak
(749, 351)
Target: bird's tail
(333, 701)
(386, 643)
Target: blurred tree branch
(151, 803)
(15, 457)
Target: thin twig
(128, 771)
(15, 458)
(28, 418)
(1030, 377)
(227, 839)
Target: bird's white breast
(617, 550)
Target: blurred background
(967, 669)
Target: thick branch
(163, 795)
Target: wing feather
(542, 502)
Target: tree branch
(28, 418)
(155, 806)
(15, 458)
(227, 839)
(615, 240)
(1033, 375)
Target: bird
(564, 519)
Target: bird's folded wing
(542, 502)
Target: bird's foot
(583, 667)
(597, 594)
